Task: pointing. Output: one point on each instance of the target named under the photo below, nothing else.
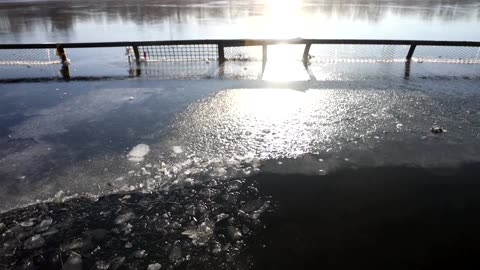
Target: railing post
(62, 53)
(264, 53)
(305, 54)
(65, 70)
(221, 54)
(137, 54)
(264, 60)
(407, 70)
(410, 52)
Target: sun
(282, 18)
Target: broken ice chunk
(139, 254)
(44, 225)
(28, 223)
(175, 253)
(121, 219)
(221, 217)
(201, 234)
(154, 266)
(138, 152)
(74, 262)
(216, 248)
(102, 265)
(256, 214)
(234, 233)
(177, 149)
(34, 242)
(117, 262)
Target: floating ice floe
(28, 223)
(117, 262)
(138, 152)
(175, 254)
(74, 262)
(139, 254)
(197, 224)
(221, 217)
(34, 242)
(234, 233)
(102, 265)
(201, 234)
(154, 266)
(437, 130)
(44, 225)
(121, 219)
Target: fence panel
(358, 53)
(193, 52)
(447, 54)
(30, 57)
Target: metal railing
(222, 44)
(308, 51)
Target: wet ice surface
(96, 140)
(182, 160)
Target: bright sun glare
(282, 19)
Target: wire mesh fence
(243, 53)
(10, 57)
(206, 56)
(244, 70)
(447, 54)
(357, 53)
(325, 53)
(194, 52)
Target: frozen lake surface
(204, 173)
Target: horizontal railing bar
(243, 42)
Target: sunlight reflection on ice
(284, 64)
